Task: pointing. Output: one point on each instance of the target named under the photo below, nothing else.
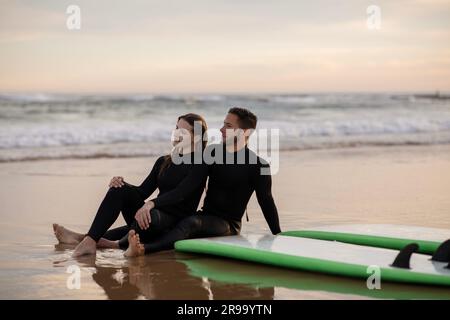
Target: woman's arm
(149, 185)
(195, 178)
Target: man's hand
(143, 215)
(116, 182)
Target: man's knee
(221, 228)
(191, 224)
(155, 217)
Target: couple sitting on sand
(157, 224)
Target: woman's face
(182, 135)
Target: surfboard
(378, 235)
(314, 255)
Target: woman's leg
(67, 236)
(126, 199)
(107, 244)
(109, 240)
(116, 233)
(130, 206)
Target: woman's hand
(143, 215)
(116, 182)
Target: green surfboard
(328, 257)
(378, 235)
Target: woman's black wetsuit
(180, 189)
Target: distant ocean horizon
(56, 126)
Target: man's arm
(263, 189)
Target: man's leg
(194, 226)
(159, 223)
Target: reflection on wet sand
(163, 275)
(234, 271)
(175, 275)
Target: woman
(180, 185)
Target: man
(232, 181)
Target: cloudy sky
(224, 46)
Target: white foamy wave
(51, 126)
(119, 150)
(80, 134)
(38, 97)
(335, 128)
(294, 99)
(189, 99)
(43, 135)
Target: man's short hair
(247, 119)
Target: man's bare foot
(85, 247)
(135, 247)
(66, 236)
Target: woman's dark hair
(247, 119)
(191, 119)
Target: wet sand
(407, 185)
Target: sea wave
(34, 126)
(104, 132)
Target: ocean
(57, 126)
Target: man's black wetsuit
(229, 189)
(180, 189)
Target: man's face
(230, 124)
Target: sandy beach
(396, 185)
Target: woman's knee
(117, 191)
(127, 192)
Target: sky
(224, 46)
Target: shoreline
(370, 147)
(162, 147)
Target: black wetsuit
(180, 189)
(229, 189)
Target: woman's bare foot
(66, 236)
(135, 247)
(85, 247)
(107, 244)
